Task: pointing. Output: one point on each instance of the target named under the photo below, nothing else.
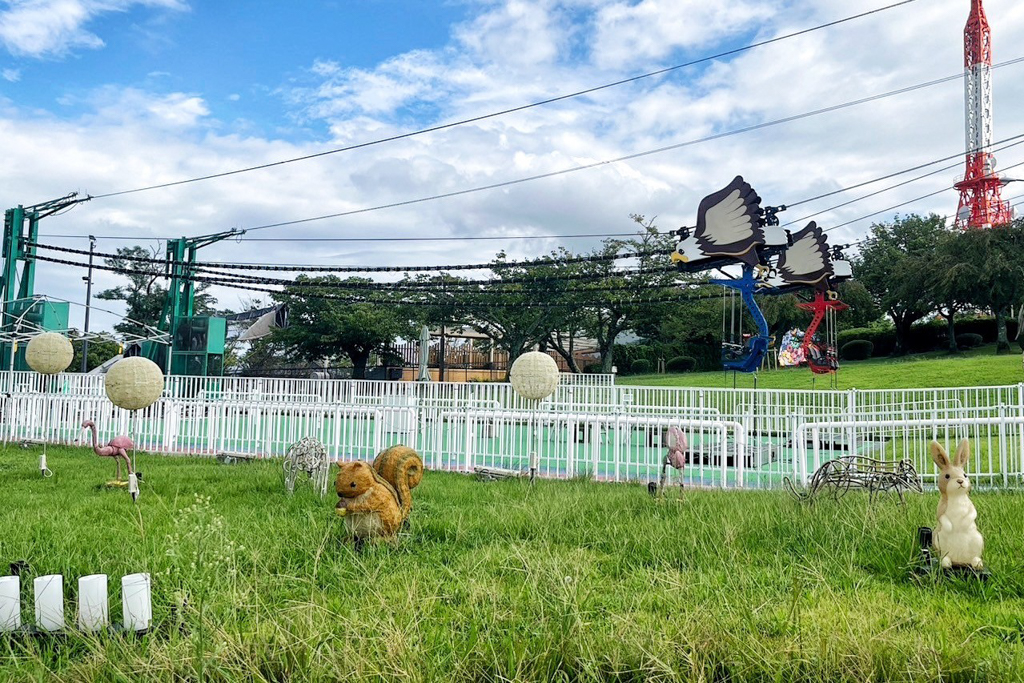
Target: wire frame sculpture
(838, 477)
(310, 456)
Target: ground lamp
(134, 383)
(48, 354)
(534, 376)
(49, 592)
(93, 606)
(10, 603)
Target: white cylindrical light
(93, 610)
(10, 603)
(136, 602)
(49, 591)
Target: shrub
(858, 349)
(969, 340)
(883, 339)
(592, 368)
(641, 366)
(681, 364)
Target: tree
(862, 311)
(991, 271)
(100, 351)
(321, 328)
(520, 307)
(632, 297)
(144, 296)
(895, 265)
(951, 282)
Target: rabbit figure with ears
(957, 539)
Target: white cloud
(39, 28)
(12, 75)
(131, 138)
(630, 34)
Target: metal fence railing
(589, 427)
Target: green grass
(978, 367)
(502, 581)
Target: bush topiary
(681, 364)
(969, 340)
(858, 349)
(641, 366)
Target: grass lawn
(977, 367)
(503, 581)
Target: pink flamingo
(676, 456)
(116, 448)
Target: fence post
(1002, 444)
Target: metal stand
(928, 564)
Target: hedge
(969, 340)
(640, 366)
(681, 364)
(858, 349)
(927, 336)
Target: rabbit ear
(963, 453)
(939, 455)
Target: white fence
(589, 427)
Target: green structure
(197, 342)
(22, 314)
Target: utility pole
(88, 302)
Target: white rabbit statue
(957, 540)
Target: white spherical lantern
(534, 375)
(134, 383)
(49, 353)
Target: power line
(246, 286)
(498, 265)
(504, 112)
(605, 162)
(901, 204)
(628, 157)
(370, 239)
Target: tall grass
(503, 581)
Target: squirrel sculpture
(375, 500)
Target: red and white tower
(980, 203)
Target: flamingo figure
(116, 448)
(676, 456)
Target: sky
(103, 96)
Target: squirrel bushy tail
(401, 467)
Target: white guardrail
(589, 427)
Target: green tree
(991, 268)
(100, 351)
(895, 265)
(322, 328)
(144, 296)
(521, 305)
(862, 311)
(951, 282)
(633, 294)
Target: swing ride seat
(745, 359)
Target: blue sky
(238, 55)
(105, 95)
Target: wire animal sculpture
(307, 455)
(842, 475)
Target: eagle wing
(806, 260)
(728, 222)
